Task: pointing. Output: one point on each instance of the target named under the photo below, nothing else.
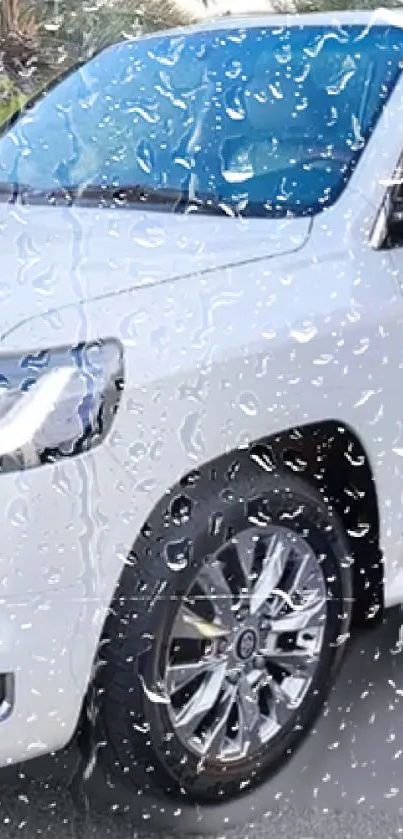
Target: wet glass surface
(201, 455)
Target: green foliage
(52, 35)
(49, 36)
(81, 28)
(10, 99)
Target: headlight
(57, 403)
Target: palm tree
(33, 39)
(157, 14)
(19, 45)
(115, 19)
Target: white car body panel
(63, 254)
(232, 331)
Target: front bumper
(64, 537)
(37, 637)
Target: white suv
(201, 411)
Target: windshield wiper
(110, 196)
(92, 194)
(179, 200)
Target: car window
(262, 121)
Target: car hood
(54, 256)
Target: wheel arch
(330, 456)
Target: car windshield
(257, 121)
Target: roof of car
(379, 17)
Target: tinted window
(259, 121)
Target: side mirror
(388, 228)
(394, 222)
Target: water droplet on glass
(46, 283)
(177, 554)
(234, 106)
(145, 156)
(191, 436)
(181, 509)
(304, 334)
(248, 404)
(137, 451)
(18, 512)
(216, 521)
(153, 695)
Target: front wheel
(246, 603)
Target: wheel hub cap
(247, 644)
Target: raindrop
(233, 470)
(360, 531)
(146, 485)
(146, 530)
(346, 73)
(191, 479)
(177, 554)
(325, 358)
(153, 696)
(46, 282)
(233, 69)
(364, 398)
(181, 509)
(61, 481)
(248, 404)
(264, 458)
(18, 512)
(306, 333)
(137, 451)
(145, 156)
(234, 106)
(294, 461)
(191, 436)
(216, 521)
(156, 450)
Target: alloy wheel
(245, 644)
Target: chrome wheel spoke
(250, 716)
(281, 704)
(293, 646)
(203, 700)
(213, 582)
(248, 704)
(302, 616)
(216, 738)
(245, 545)
(273, 567)
(301, 574)
(190, 625)
(178, 676)
(246, 643)
(296, 662)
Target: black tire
(131, 724)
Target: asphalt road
(346, 781)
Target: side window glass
(388, 231)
